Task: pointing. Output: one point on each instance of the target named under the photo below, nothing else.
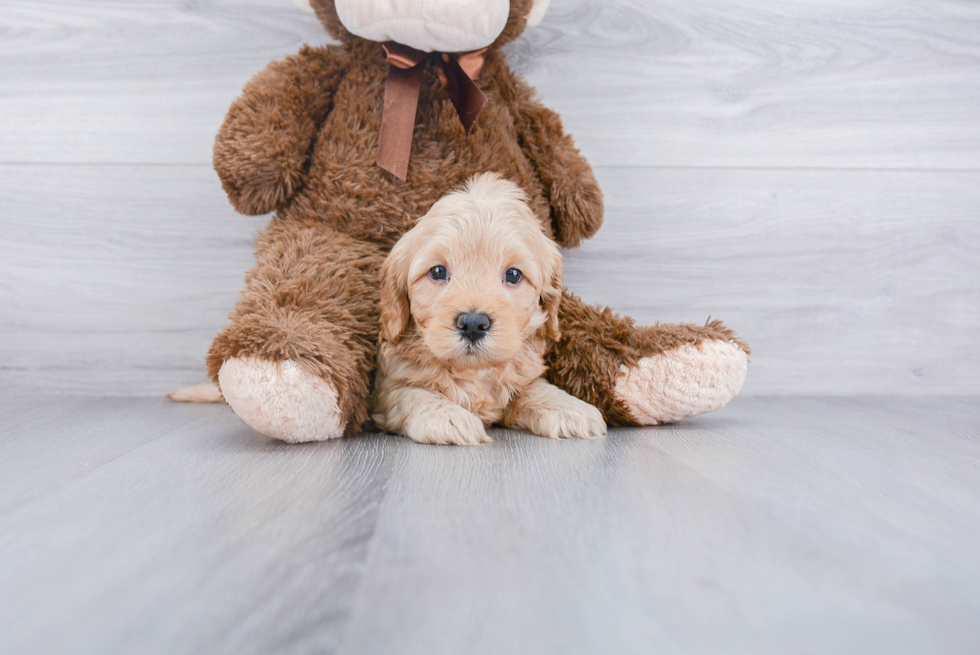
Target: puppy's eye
(439, 273)
(513, 276)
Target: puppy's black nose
(473, 326)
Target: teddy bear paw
(281, 400)
(682, 382)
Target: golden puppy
(469, 298)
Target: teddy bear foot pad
(683, 382)
(281, 400)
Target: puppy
(469, 301)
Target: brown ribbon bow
(457, 71)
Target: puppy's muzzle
(473, 326)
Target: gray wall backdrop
(808, 171)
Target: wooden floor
(801, 525)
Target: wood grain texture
(842, 281)
(116, 277)
(806, 172)
(111, 81)
(869, 84)
(791, 525)
(816, 83)
(197, 537)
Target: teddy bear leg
(296, 361)
(644, 375)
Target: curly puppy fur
(301, 141)
(479, 252)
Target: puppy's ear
(395, 312)
(551, 292)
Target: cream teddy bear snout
(431, 25)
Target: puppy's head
(477, 275)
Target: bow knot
(457, 72)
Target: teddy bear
(328, 141)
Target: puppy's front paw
(565, 417)
(449, 424)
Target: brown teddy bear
(303, 140)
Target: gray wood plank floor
(807, 172)
(806, 525)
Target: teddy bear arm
(573, 192)
(261, 151)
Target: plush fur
(302, 140)
(429, 375)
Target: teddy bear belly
(347, 188)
